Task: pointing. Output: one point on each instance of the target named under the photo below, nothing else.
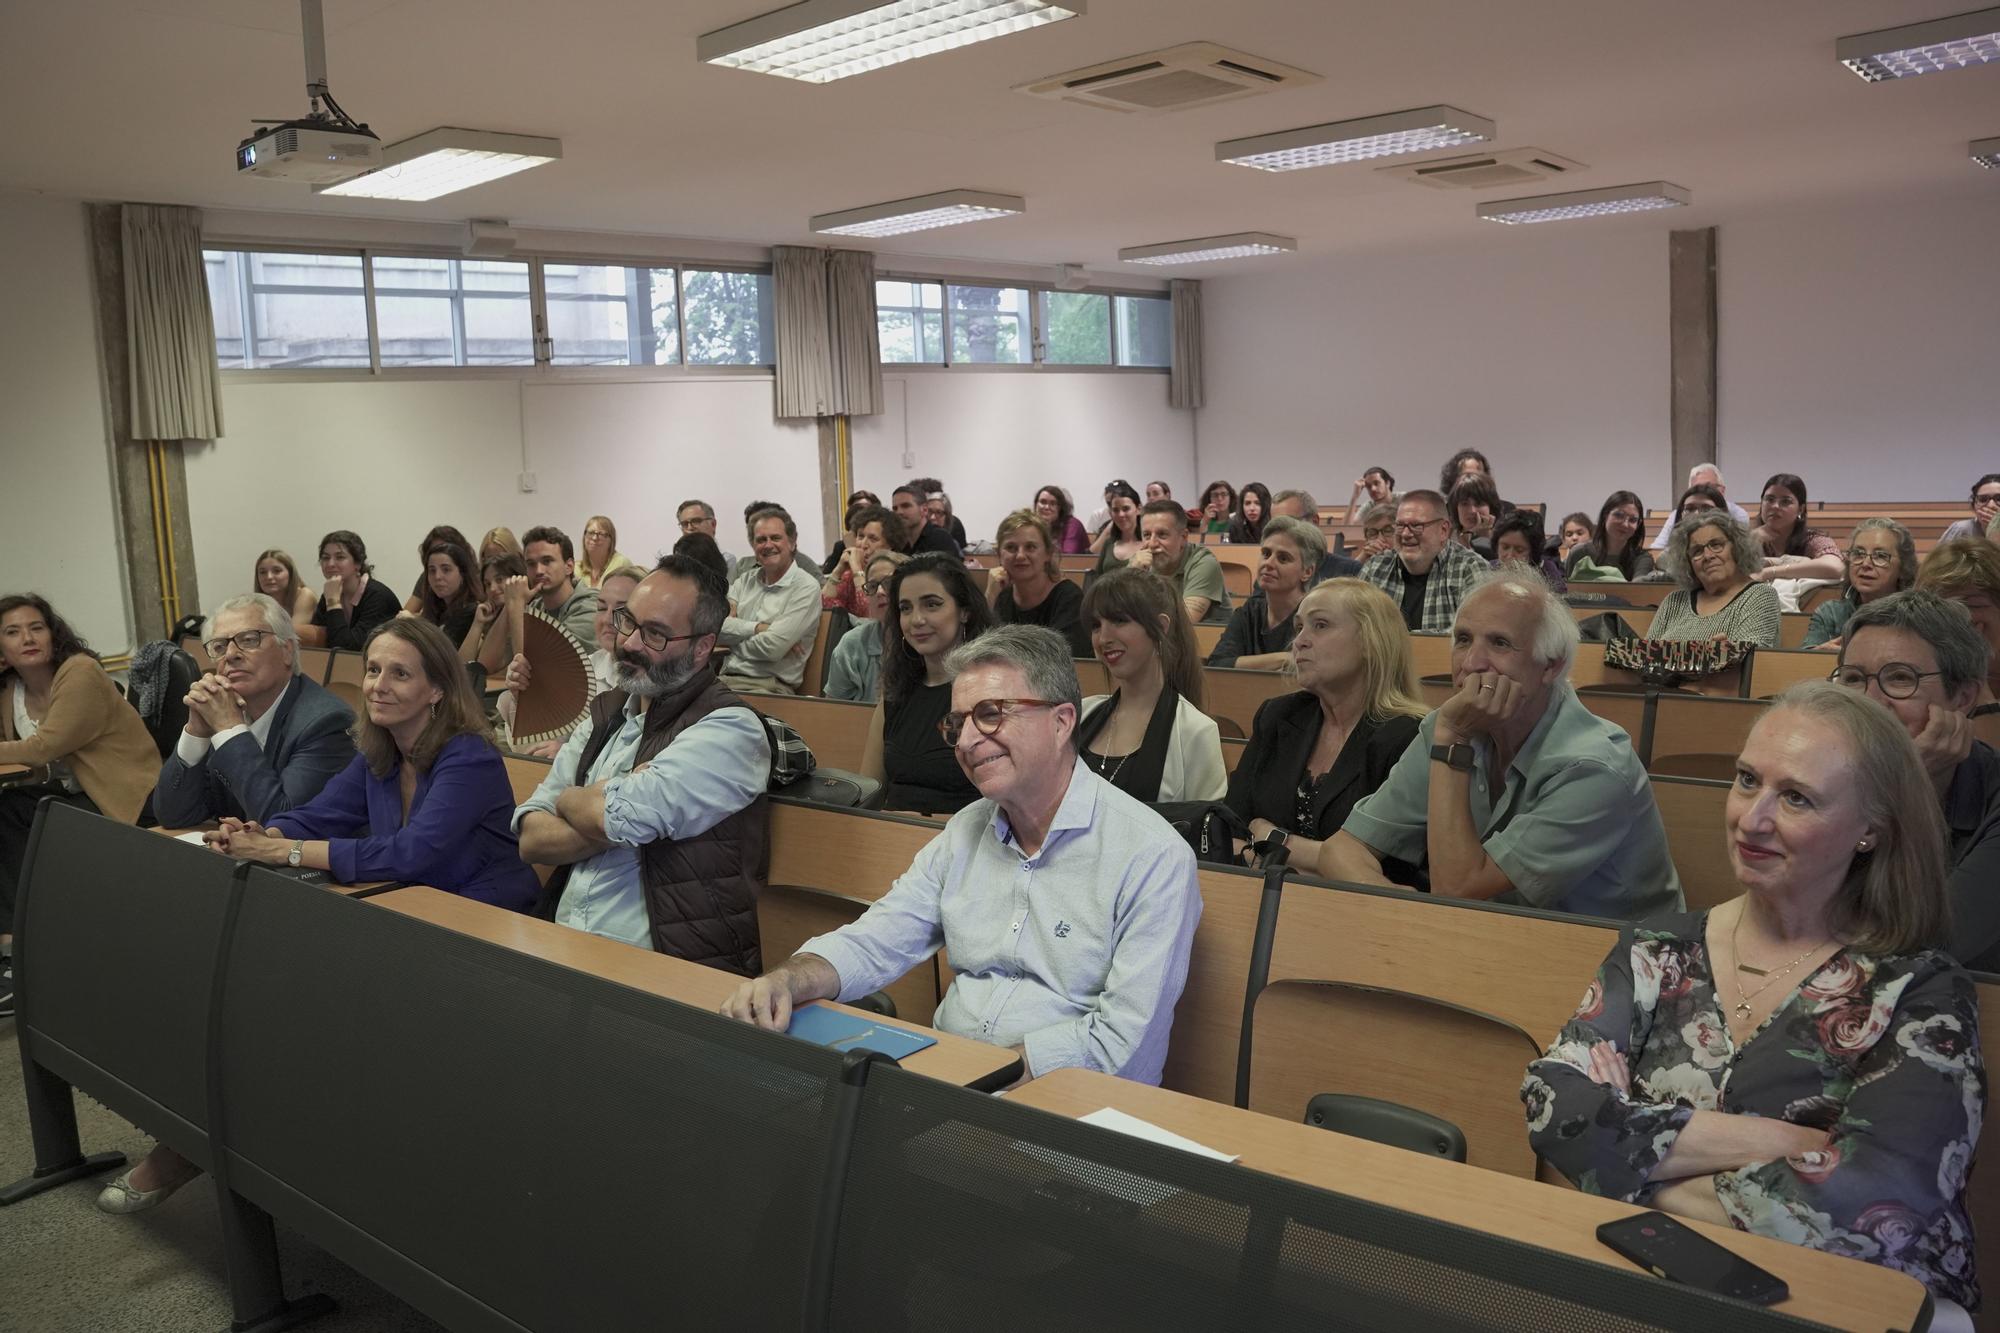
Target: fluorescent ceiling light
(1238, 245)
(1417, 131)
(1587, 203)
(1986, 152)
(922, 213)
(442, 161)
(819, 41)
(1923, 48)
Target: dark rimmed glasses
(986, 715)
(623, 622)
(250, 640)
(1896, 680)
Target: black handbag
(1210, 828)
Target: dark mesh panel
(569, 1150)
(973, 1213)
(119, 951)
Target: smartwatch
(1459, 756)
(1271, 850)
(293, 857)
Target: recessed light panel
(1587, 203)
(1923, 48)
(946, 209)
(443, 161)
(1237, 245)
(1419, 131)
(819, 41)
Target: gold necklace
(1742, 1006)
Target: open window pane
(453, 312)
(909, 316)
(989, 325)
(1076, 329)
(612, 315)
(1145, 331)
(284, 311)
(728, 318)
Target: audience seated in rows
(449, 595)
(1920, 657)
(655, 814)
(1473, 505)
(937, 508)
(918, 533)
(1518, 539)
(1376, 486)
(698, 516)
(773, 611)
(1849, 1125)
(1314, 753)
(1968, 572)
(1119, 540)
(1300, 505)
(1148, 737)
(854, 667)
(278, 579)
(260, 738)
(599, 555)
(1053, 504)
(443, 532)
(1881, 560)
(1027, 587)
(1079, 961)
(1192, 570)
(1617, 545)
(856, 501)
(1715, 563)
(1425, 573)
(1985, 511)
(1218, 509)
(1701, 475)
(1793, 549)
(1253, 510)
(1260, 630)
(868, 529)
(495, 636)
(552, 582)
(933, 607)
(1513, 790)
(352, 604)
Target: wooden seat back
(815, 675)
(1232, 697)
(1686, 724)
(1691, 810)
(1775, 670)
(1208, 1021)
(313, 664)
(343, 678)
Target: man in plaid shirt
(1425, 571)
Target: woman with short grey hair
(1259, 635)
(1713, 562)
(1881, 559)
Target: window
(279, 311)
(727, 317)
(989, 325)
(453, 312)
(1076, 329)
(611, 315)
(1145, 330)
(910, 319)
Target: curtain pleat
(176, 384)
(1184, 375)
(799, 318)
(857, 339)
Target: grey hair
(1906, 547)
(707, 509)
(1042, 655)
(276, 618)
(1306, 536)
(1700, 468)
(1962, 651)
(1306, 502)
(1557, 636)
(1749, 551)
(1383, 510)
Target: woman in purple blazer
(426, 801)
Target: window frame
(1037, 315)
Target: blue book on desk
(855, 1032)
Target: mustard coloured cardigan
(92, 729)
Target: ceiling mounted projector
(325, 145)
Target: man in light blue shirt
(1067, 906)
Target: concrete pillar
(1692, 339)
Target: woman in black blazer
(1312, 755)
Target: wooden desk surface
(1845, 1293)
(12, 770)
(954, 1059)
(361, 890)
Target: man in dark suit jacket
(260, 738)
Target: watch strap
(1459, 756)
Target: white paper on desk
(194, 837)
(1109, 1118)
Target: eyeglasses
(874, 586)
(1716, 547)
(1879, 559)
(250, 640)
(691, 524)
(1897, 680)
(623, 622)
(1985, 498)
(1370, 534)
(1418, 527)
(987, 715)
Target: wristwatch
(293, 857)
(1459, 756)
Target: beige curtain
(856, 338)
(176, 386)
(799, 318)
(1184, 375)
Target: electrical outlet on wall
(527, 481)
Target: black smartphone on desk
(1678, 1253)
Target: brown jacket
(701, 892)
(90, 727)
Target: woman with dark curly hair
(1052, 503)
(1218, 507)
(353, 603)
(1464, 463)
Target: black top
(377, 605)
(922, 771)
(1337, 566)
(1139, 773)
(1242, 533)
(1249, 633)
(1061, 611)
(932, 538)
(1413, 597)
(1972, 824)
(456, 623)
(1270, 779)
(958, 532)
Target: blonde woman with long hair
(598, 553)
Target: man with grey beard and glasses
(654, 814)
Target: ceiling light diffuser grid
(946, 209)
(819, 41)
(1418, 131)
(1205, 249)
(443, 161)
(1957, 42)
(1587, 203)
(1986, 152)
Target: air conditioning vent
(1177, 79)
(1485, 171)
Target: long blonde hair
(1389, 672)
(500, 539)
(293, 586)
(584, 569)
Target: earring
(1865, 845)
(434, 708)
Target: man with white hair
(260, 738)
(1701, 474)
(1513, 790)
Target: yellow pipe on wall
(159, 542)
(173, 556)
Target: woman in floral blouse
(1800, 1062)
